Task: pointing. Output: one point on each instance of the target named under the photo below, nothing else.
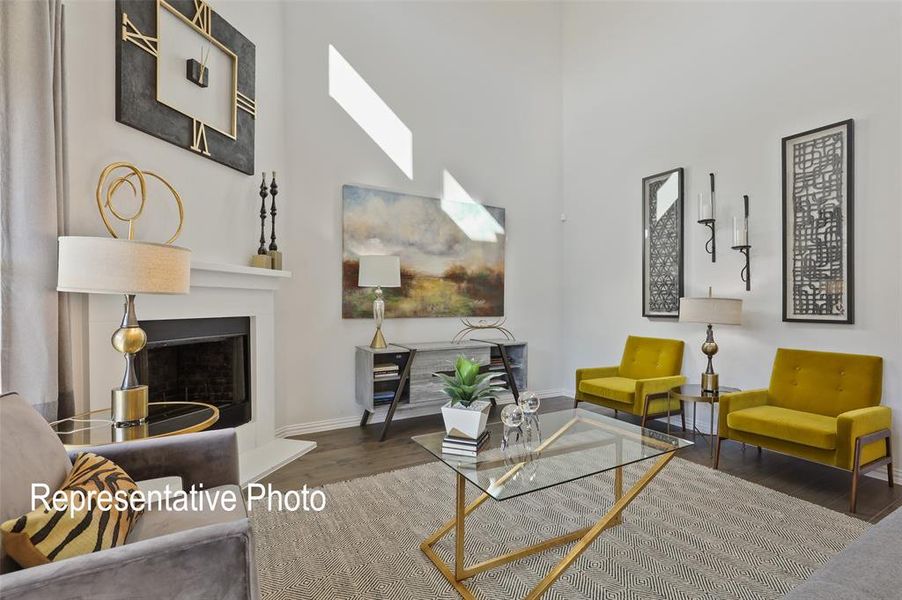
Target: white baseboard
(316, 426)
(354, 420)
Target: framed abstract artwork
(818, 191)
(452, 254)
(662, 244)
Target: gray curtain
(34, 319)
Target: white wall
(714, 87)
(478, 84)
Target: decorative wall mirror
(662, 244)
(186, 76)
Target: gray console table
(400, 377)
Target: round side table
(96, 428)
(693, 393)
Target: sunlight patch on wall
(469, 215)
(667, 196)
(368, 110)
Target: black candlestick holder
(274, 252)
(262, 259)
(263, 193)
(273, 190)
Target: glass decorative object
(512, 417)
(529, 402)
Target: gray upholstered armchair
(204, 554)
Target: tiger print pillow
(44, 536)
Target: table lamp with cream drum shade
(109, 265)
(379, 272)
(720, 311)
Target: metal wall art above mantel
(186, 76)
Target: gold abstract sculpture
(482, 325)
(105, 202)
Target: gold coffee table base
(583, 537)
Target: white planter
(466, 422)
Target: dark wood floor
(357, 452)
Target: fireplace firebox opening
(200, 360)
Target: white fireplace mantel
(217, 290)
(207, 274)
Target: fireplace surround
(218, 291)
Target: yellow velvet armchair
(639, 384)
(820, 406)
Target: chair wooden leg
(576, 403)
(615, 413)
(683, 416)
(717, 453)
(889, 466)
(759, 450)
(856, 473)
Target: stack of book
(459, 446)
(383, 397)
(385, 372)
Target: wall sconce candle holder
(741, 243)
(706, 218)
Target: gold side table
(96, 428)
(694, 393)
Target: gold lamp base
(129, 407)
(709, 377)
(710, 382)
(378, 340)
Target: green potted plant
(467, 411)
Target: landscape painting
(452, 254)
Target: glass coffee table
(577, 443)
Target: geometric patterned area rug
(692, 533)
